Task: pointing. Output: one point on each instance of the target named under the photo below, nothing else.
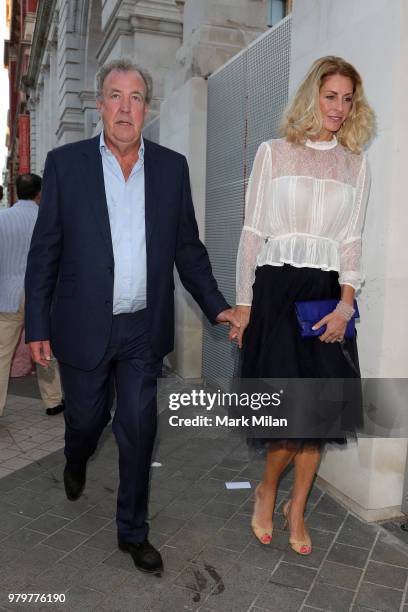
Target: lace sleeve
(350, 247)
(253, 232)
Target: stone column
(214, 31)
(88, 101)
(52, 109)
(92, 36)
(70, 119)
(183, 128)
(32, 107)
(41, 152)
(150, 31)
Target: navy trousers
(130, 364)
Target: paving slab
(212, 560)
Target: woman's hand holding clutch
(242, 314)
(335, 327)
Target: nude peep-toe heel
(301, 547)
(262, 534)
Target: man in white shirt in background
(16, 227)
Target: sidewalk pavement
(212, 561)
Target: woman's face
(336, 101)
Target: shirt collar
(103, 146)
(322, 145)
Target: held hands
(227, 317)
(41, 352)
(233, 317)
(242, 315)
(335, 327)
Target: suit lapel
(93, 176)
(150, 173)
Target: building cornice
(71, 126)
(88, 99)
(155, 17)
(43, 22)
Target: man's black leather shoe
(145, 557)
(74, 481)
(55, 409)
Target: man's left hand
(228, 317)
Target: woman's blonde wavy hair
(303, 118)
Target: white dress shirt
(16, 228)
(126, 207)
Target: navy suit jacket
(70, 267)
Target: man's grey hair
(123, 64)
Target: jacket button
(110, 269)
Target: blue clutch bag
(310, 312)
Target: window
(277, 10)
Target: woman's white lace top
(305, 206)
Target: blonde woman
(301, 241)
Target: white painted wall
(372, 35)
(224, 13)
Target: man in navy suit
(116, 215)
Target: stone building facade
(176, 40)
(181, 42)
(52, 56)
(21, 17)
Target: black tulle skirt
(274, 348)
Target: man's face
(123, 107)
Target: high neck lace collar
(322, 145)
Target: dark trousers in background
(130, 363)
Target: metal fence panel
(245, 102)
